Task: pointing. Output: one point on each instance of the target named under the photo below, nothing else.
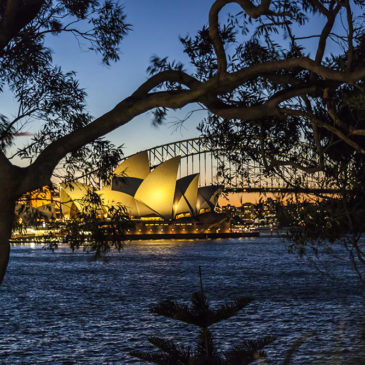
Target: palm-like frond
(157, 357)
(169, 353)
(229, 310)
(248, 351)
(179, 352)
(170, 309)
(199, 314)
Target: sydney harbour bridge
(198, 157)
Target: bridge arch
(196, 157)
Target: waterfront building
(145, 193)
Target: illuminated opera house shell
(146, 193)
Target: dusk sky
(156, 27)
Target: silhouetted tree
(96, 227)
(317, 135)
(205, 353)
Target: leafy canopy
(48, 98)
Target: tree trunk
(7, 206)
(14, 182)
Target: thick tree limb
(17, 14)
(256, 112)
(235, 79)
(357, 132)
(166, 76)
(232, 80)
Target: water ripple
(62, 308)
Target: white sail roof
(135, 166)
(72, 194)
(134, 208)
(186, 195)
(208, 197)
(157, 190)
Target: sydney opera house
(158, 203)
(146, 194)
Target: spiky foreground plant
(205, 353)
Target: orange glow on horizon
(237, 199)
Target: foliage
(46, 95)
(205, 353)
(51, 100)
(321, 225)
(96, 227)
(318, 131)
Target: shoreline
(157, 236)
(146, 237)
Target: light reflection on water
(63, 308)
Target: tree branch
(350, 52)
(331, 17)
(315, 133)
(251, 10)
(330, 128)
(235, 79)
(15, 120)
(40, 171)
(17, 14)
(256, 112)
(317, 4)
(166, 76)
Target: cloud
(23, 134)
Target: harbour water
(63, 308)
